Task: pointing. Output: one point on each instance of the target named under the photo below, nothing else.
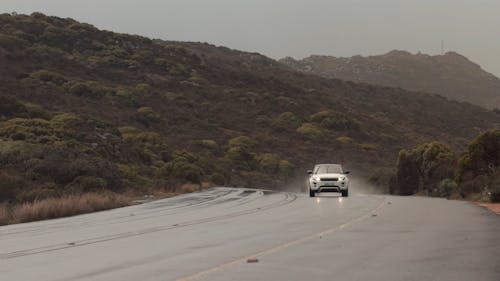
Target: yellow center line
(281, 246)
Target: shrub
(10, 186)
(10, 106)
(421, 168)
(44, 52)
(263, 121)
(90, 89)
(331, 120)
(83, 184)
(185, 171)
(147, 116)
(286, 121)
(48, 76)
(285, 169)
(218, 179)
(64, 164)
(36, 111)
(446, 188)
(310, 130)
(32, 130)
(208, 144)
(242, 142)
(183, 167)
(126, 98)
(12, 43)
(482, 157)
(368, 146)
(268, 163)
(344, 140)
(240, 158)
(495, 189)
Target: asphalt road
(211, 235)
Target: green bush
(446, 188)
(147, 116)
(208, 144)
(482, 157)
(269, 163)
(63, 165)
(10, 186)
(285, 169)
(48, 76)
(218, 179)
(44, 52)
(335, 121)
(310, 130)
(90, 89)
(10, 106)
(286, 121)
(242, 142)
(31, 130)
(126, 98)
(184, 168)
(495, 189)
(422, 168)
(12, 43)
(83, 184)
(36, 111)
(345, 140)
(263, 121)
(240, 158)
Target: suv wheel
(312, 193)
(345, 193)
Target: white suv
(328, 178)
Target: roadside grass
(63, 207)
(73, 205)
(4, 214)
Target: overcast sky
(279, 28)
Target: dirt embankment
(494, 207)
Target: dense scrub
(434, 169)
(84, 110)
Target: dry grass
(63, 207)
(191, 187)
(4, 214)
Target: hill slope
(451, 75)
(83, 109)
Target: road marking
(283, 246)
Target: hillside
(85, 110)
(450, 75)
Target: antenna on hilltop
(442, 47)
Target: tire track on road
(288, 198)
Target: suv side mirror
(347, 172)
(309, 172)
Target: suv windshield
(327, 169)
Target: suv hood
(330, 175)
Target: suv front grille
(329, 179)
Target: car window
(326, 169)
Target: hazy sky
(279, 28)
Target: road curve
(211, 235)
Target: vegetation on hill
(87, 111)
(435, 169)
(450, 75)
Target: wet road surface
(211, 235)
